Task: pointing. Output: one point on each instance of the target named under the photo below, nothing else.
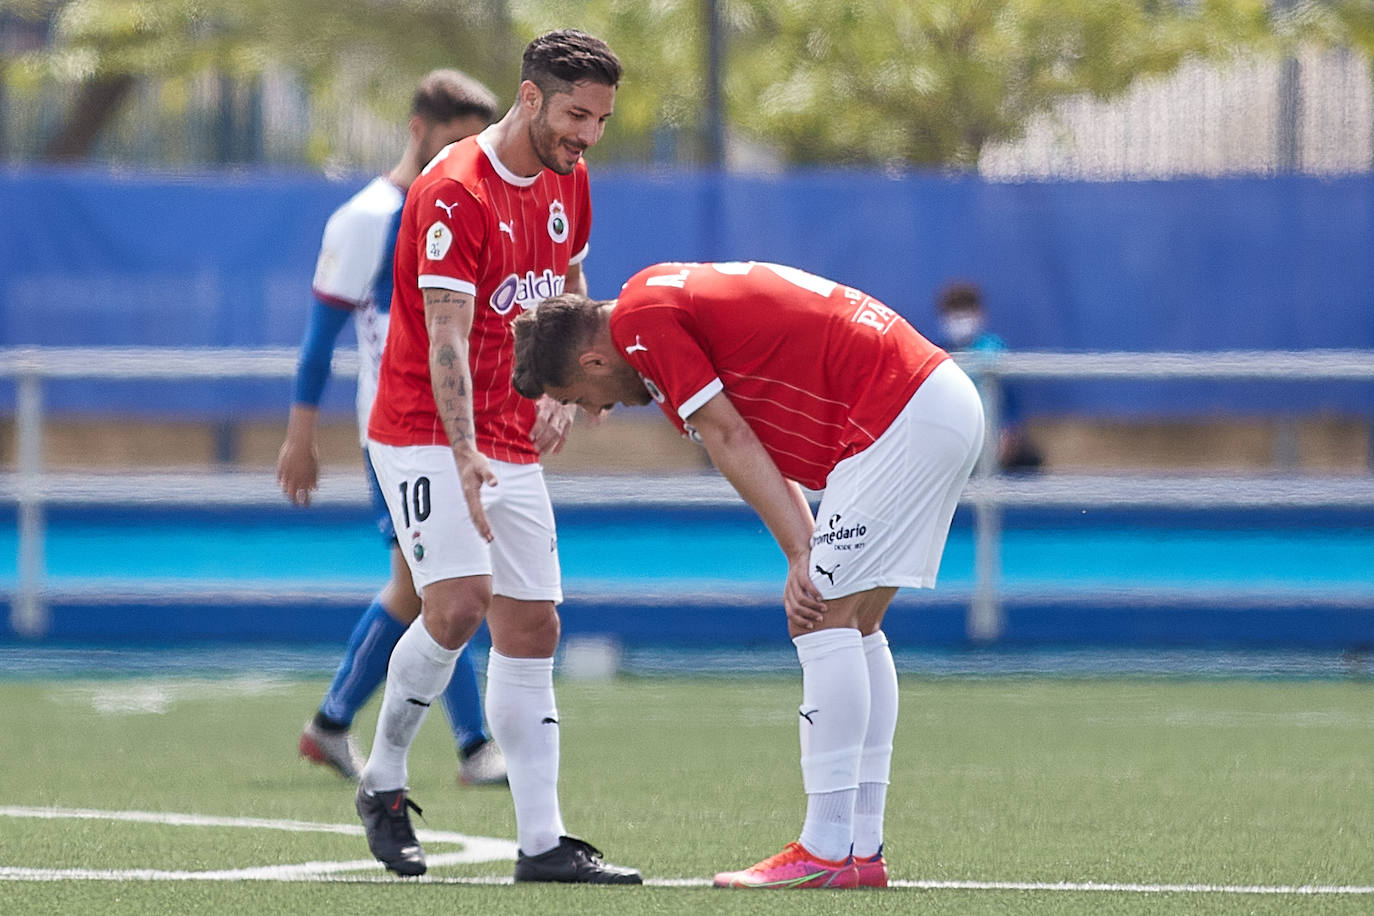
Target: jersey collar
(509, 177)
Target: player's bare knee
(400, 602)
(455, 608)
(454, 627)
(831, 621)
(524, 629)
(872, 606)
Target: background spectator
(963, 329)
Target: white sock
(834, 717)
(417, 673)
(869, 806)
(829, 824)
(875, 766)
(523, 718)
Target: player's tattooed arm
(448, 318)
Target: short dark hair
(548, 337)
(959, 296)
(556, 61)
(443, 95)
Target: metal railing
(32, 487)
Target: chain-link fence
(1313, 114)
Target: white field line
(252, 823)
(158, 697)
(1278, 889)
(475, 849)
(1082, 886)
(328, 871)
(492, 849)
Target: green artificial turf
(1181, 794)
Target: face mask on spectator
(961, 328)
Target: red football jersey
(818, 369)
(472, 226)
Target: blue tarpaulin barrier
(225, 259)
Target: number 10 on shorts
(415, 497)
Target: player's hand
(800, 598)
(298, 470)
(552, 421)
(474, 472)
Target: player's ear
(593, 362)
(530, 96)
(416, 126)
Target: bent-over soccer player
(791, 380)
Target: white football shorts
(436, 534)
(885, 514)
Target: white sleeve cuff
(434, 281)
(690, 406)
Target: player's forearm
(742, 460)
(317, 351)
(451, 380)
(302, 422)
(575, 280)
(448, 320)
(803, 509)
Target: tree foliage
(346, 52)
(322, 40)
(819, 81)
(930, 83)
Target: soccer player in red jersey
(494, 224)
(791, 380)
(353, 277)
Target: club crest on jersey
(438, 239)
(558, 222)
(652, 389)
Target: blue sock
(463, 703)
(363, 666)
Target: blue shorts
(380, 513)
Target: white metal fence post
(984, 621)
(29, 615)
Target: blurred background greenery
(740, 84)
